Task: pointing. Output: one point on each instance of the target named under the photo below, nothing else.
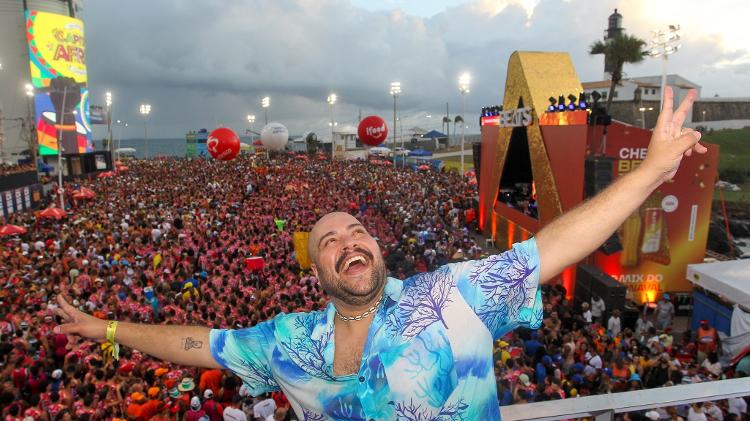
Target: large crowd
(9, 169)
(170, 241)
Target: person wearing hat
(153, 405)
(664, 312)
(213, 409)
(707, 340)
(195, 413)
(501, 351)
(456, 311)
(135, 409)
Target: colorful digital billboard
(58, 74)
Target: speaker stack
(598, 175)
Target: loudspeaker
(591, 281)
(598, 174)
(476, 149)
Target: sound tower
(597, 176)
(591, 281)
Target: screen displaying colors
(57, 51)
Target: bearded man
(417, 349)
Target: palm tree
(619, 50)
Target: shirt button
(361, 379)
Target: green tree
(619, 50)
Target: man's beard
(335, 287)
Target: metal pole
(109, 131)
(333, 143)
(403, 150)
(145, 132)
(663, 78)
(60, 191)
(265, 111)
(463, 129)
(643, 118)
(2, 137)
(394, 130)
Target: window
(615, 94)
(604, 94)
(653, 91)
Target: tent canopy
(432, 134)
(728, 280)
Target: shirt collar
(324, 326)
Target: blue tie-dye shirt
(428, 354)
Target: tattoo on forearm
(190, 343)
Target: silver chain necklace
(360, 316)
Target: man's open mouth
(354, 263)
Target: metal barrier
(604, 407)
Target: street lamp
(463, 86)
(31, 119)
(122, 125)
(251, 120)
(145, 111)
(643, 115)
(265, 103)
(108, 102)
(331, 102)
(662, 45)
(395, 92)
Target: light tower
(395, 92)
(664, 43)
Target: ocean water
(152, 147)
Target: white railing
(604, 407)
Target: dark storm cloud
(203, 63)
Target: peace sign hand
(670, 141)
(77, 322)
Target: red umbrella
(302, 157)
(122, 168)
(106, 174)
(84, 193)
(386, 162)
(423, 167)
(11, 229)
(52, 213)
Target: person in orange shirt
(707, 340)
(135, 409)
(210, 379)
(154, 404)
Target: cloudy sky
(208, 63)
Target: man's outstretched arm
(184, 345)
(577, 233)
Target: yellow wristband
(110, 335)
(111, 329)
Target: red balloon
(223, 144)
(372, 130)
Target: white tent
(729, 280)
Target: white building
(643, 91)
(646, 88)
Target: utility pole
(2, 137)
